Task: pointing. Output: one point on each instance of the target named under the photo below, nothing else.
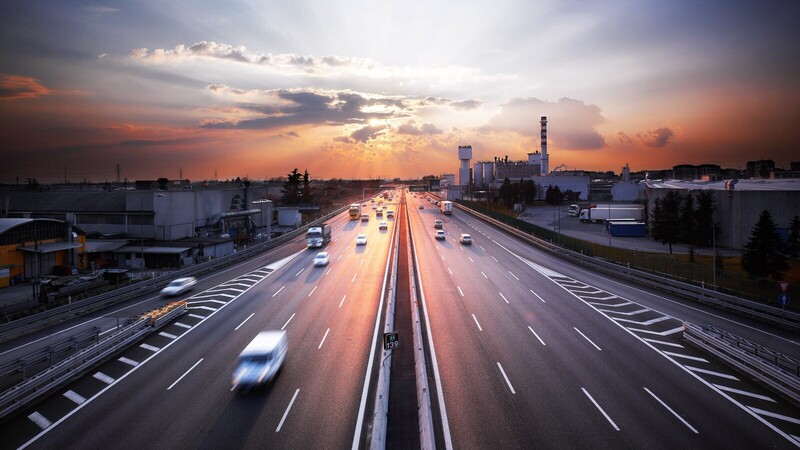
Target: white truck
(599, 213)
(317, 237)
(447, 207)
(261, 360)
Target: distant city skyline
(348, 89)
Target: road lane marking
(600, 409)
(645, 323)
(342, 302)
(506, 377)
(495, 259)
(301, 271)
(442, 257)
(460, 291)
(128, 361)
(656, 341)
(184, 374)
(462, 248)
(279, 291)
(662, 333)
(537, 336)
(476, 322)
(323, 338)
(103, 377)
(340, 257)
(775, 415)
(512, 274)
(40, 420)
(152, 348)
(196, 316)
(207, 308)
(286, 413)
(694, 430)
(312, 291)
(711, 372)
(451, 272)
(167, 335)
(537, 296)
(484, 275)
(329, 271)
(75, 397)
(584, 336)
(245, 320)
(504, 297)
(183, 325)
(482, 248)
(678, 355)
(354, 278)
(287, 322)
(749, 394)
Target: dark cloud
(623, 138)
(368, 132)
(466, 104)
(411, 128)
(657, 138)
(571, 123)
(14, 87)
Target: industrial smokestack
(545, 161)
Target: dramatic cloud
(324, 66)
(14, 87)
(623, 138)
(571, 123)
(411, 128)
(368, 132)
(657, 138)
(466, 104)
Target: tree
(705, 227)
(687, 218)
(307, 196)
(793, 249)
(505, 193)
(666, 219)
(291, 189)
(762, 254)
(553, 195)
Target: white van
(574, 210)
(261, 360)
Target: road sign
(391, 340)
(783, 299)
(784, 285)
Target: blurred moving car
(321, 259)
(466, 239)
(439, 234)
(383, 226)
(361, 239)
(421, 207)
(437, 224)
(178, 286)
(261, 360)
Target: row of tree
(297, 189)
(526, 191)
(684, 218)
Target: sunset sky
(354, 89)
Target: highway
(534, 353)
(174, 390)
(531, 352)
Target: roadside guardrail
(776, 371)
(770, 314)
(78, 364)
(25, 325)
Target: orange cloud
(15, 87)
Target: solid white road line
(537, 296)
(504, 297)
(740, 392)
(182, 325)
(301, 271)
(678, 355)
(184, 374)
(312, 291)
(656, 341)
(775, 415)
(711, 372)
(484, 275)
(460, 291)
(287, 322)
(323, 338)
(40, 420)
(128, 361)
(152, 348)
(103, 377)
(75, 397)
(537, 336)
(207, 308)
(196, 316)
(279, 291)
(476, 322)
(245, 320)
(506, 378)
(286, 413)
(584, 336)
(694, 430)
(167, 335)
(600, 409)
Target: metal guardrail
(778, 372)
(23, 326)
(78, 364)
(776, 316)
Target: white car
(178, 286)
(361, 239)
(321, 259)
(466, 239)
(439, 234)
(383, 226)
